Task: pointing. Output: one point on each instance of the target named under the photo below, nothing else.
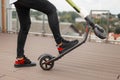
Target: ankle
(20, 58)
(59, 44)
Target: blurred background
(103, 12)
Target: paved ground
(91, 61)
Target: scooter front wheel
(44, 62)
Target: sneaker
(65, 45)
(65, 41)
(24, 62)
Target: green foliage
(36, 14)
(64, 16)
(14, 14)
(68, 16)
(80, 26)
(118, 15)
(117, 30)
(112, 29)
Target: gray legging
(23, 9)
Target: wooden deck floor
(91, 61)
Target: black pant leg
(50, 10)
(24, 18)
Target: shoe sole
(24, 65)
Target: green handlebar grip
(74, 5)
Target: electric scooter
(46, 61)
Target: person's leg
(46, 7)
(24, 19)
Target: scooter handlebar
(74, 5)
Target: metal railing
(41, 27)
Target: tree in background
(117, 30)
(14, 14)
(69, 16)
(118, 16)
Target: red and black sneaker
(65, 45)
(24, 62)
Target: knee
(52, 10)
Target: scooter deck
(67, 51)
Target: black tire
(43, 62)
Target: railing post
(43, 26)
(3, 16)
